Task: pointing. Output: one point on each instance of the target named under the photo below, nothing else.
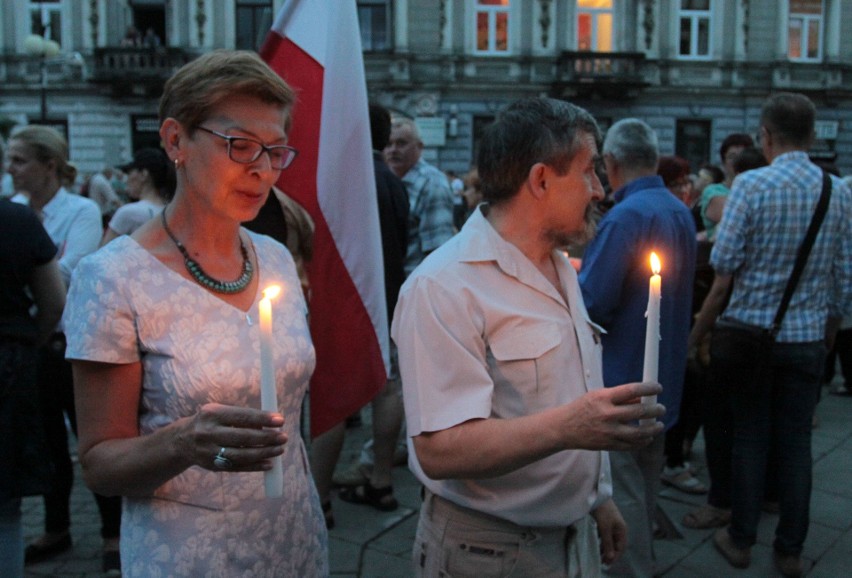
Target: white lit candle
(273, 479)
(650, 371)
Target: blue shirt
(765, 220)
(615, 276)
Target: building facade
(695, 70)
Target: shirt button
(588, 373)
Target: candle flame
(271, 292)
(655, 264)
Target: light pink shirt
(482, 334)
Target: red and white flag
(315, 46)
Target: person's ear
(172, 135)
(765, 137)
(538, 180)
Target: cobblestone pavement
(368, 543)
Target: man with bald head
(430, 216)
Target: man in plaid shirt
(430, 216)
(765, 221)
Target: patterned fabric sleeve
(840, 305)
(436, 212)
(728, 252)
(99, 321)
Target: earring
(177, 164)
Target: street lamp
(44, 48)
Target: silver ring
(221, 462)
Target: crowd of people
(517, 387)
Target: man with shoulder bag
(785, 244)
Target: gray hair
(401, 121)
(632, 143)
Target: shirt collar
(792, 156)
(642, 183)
(415, 170)
(480, 242)
(54, 205)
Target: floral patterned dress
(125, 306)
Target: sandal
(328, 514)
(707, 516)
(379, 498)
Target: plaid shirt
(430, 215)
(765, 220)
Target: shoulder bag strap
(804, 251)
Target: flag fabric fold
(315, 46)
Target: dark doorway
(692, 142)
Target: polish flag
(315, 46)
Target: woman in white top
(151, 183)
(164, 336)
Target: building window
(695, 22)
(492, 26)
(804, 31)
(594, 25)
(46, 19)
(374, 19)
(254, 20)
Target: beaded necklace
(226, 287)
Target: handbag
(751, 343)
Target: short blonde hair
(199, 86)
(48, 144)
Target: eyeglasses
(246, 150)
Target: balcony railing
(137, 64)
(585, 72)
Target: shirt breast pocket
(522, 364)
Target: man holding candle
(646, 218)
(765, 221)
(500, 364)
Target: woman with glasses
(165, 341)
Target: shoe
(707, 516)
(682, 479)
(39, 552)
(111, 558)
(842, 390)
(380, 498)
(736, 557)
(111, 561)
(788, 564)
(355, 475)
